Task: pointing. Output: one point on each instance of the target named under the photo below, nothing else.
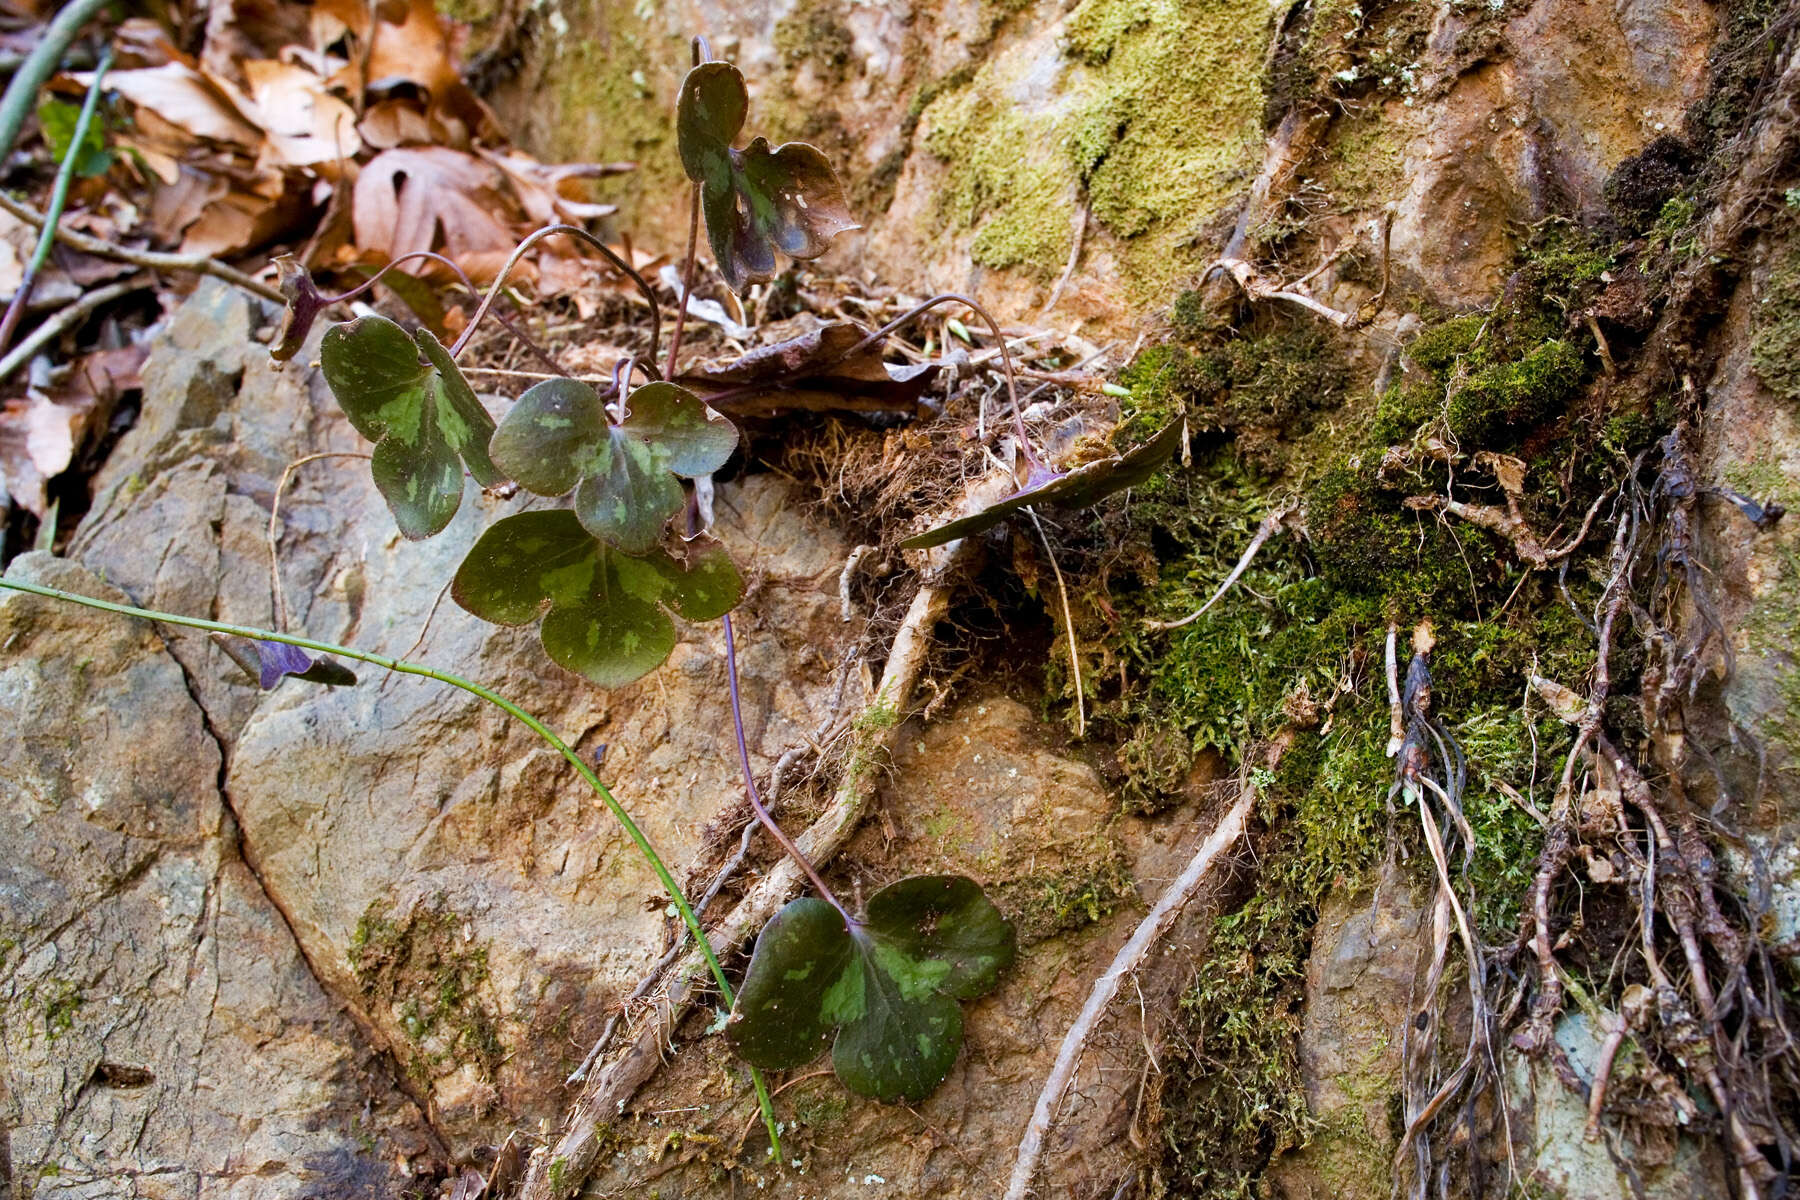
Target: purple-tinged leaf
(757, 201)
(268, 662)
(1085, 485)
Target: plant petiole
(756, 804)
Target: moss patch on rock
(1147, 110)
(429, 976)
(1775, 345)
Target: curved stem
(401, 667)
(39, 65)
(574, 231)
(59, 196)
(756, 804)
(1012, 386)
(525, 339)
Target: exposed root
(1124, 965)
(1271, 525)
(1062, 591)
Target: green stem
(39, 65)
(59, 196)
(402, 667)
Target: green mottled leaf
(405, 394)
(608, 616)
(548, 434)
(889, 984)
(557, 437)
(787, 1019)
(1087, 484)
(757, 200)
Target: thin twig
(1130, 956)
(149, 259)
(1270, 525)
(65, 319)
(59, 196)
(574, 231)
(1062, 281)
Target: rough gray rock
(447, 875)
(1360, 982)
(160, 1034)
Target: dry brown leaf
(179, 203)
(391, 123)
(239, 221)
(238, 31)
(37, 443)
(432, 198)
(184, 98)
(413, 44)
(141, 42)
(539, 186)
(307, 126)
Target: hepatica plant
(607, 576)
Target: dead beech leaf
(179, 204)
(421, 48)
(238, 221)
(430, 198)
(814, 371)
(539, 186)
(183, 97)
(307, 125)
(391, 123)
(37, 443)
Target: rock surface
(160, 1032)
(974, 137)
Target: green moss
(1049, 903)
(1775, 344)
(1168, 118)
(814, 30)
(1155, 118)
(1501, 401)
(431, 978)
(1160, 380)
(606, 108)
(1366, 162)
(59, 1003)
(1439, 346)
(1007, 178)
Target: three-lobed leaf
(888, 986)
(757, 200)
(557, 437)
(608, 616)
(404, 393)
(1087, 484)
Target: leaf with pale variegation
(404, 393)
(557, 437)
(608, 612)
(889, 986)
